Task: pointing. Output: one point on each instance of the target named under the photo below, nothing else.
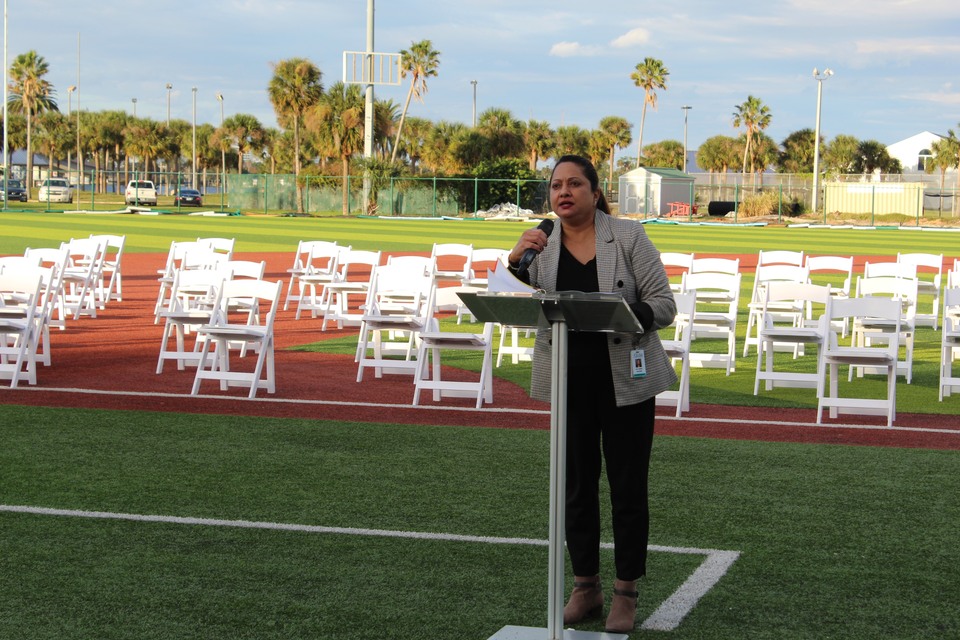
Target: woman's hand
(530, 239)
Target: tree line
(321, 130)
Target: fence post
(434, 196)
(476, 194)
(873, 205)
(736, 203)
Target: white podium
(563, 312)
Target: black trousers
(624, 435)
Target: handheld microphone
(547, 227)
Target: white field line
(666, 618)
(504, 410)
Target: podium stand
(563, 312)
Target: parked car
(55, 190)
(15, 190)
(188, 198)
(140, 192)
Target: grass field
(286, 528)
(835, 541)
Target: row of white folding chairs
(24, 307)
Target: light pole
(819, 77)
(474, 83)
(134, 101)
(70, 91)
(194, 183)
(169, 87)
(686, 110)
(223, 154)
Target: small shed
(650, 190)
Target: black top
(586, 350)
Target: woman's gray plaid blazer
(629, 264)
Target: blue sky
(564, 62)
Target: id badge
(638, 363)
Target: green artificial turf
(835, 541)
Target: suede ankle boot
(586, 600)
(623, 608)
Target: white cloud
(573, 49)
(632, 38)
(908, 47)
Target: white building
(913, 152)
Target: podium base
(512, 632)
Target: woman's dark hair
(590, 172)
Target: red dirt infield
(109, 362)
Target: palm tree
(538, 140)
(386, 113)
(436, 153)
(945, 152)
(55, 136)
(754, 117)
(245, 133)
(617, 133)
(840, 155)
(294, 89)
(420, 63)
(30, 94)
(648, 75)
(503, 132)
(797, 154)
(666, 153)
(337, 121)
(717, 155)
(571, 139)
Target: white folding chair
(319, 270)
(867, 329)
(795, 332)
(877, 353)
(221, 335)
(929, 272)
(481, 261)
(451, 261)
(175, 256)
(433, 341)
(21, 295)
(343, 297)
(193, 295)
(779, 256)
(112, 266)
(58, 259)
(220, 245)
(301, 258)
(398, 308)
(83, 276)
(676, 265)
(718, 296)
(678, 349)
(249, 269)
(950, 342)
(785, 309)
(835, 271)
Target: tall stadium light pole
(70, 91)
(79, 150)
(819, 77)
(6, 138)
(474, 83)
(223, 154)
(169, 88)
(134, 101)
(194, 183)
(686, 110)
(368, 113)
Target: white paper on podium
(501, 280)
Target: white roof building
(913, 151)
